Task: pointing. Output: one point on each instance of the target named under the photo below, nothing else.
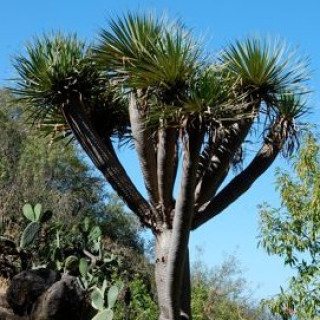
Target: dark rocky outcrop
(43, 294)
(64, 300)
(6, 313)
(27, 286)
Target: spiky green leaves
(146, 52)
(127, 42)
(289, 107)
(213, 95)
(54, 67)
(273, 79)
(57, 68)
(164, 65)
(265, 68)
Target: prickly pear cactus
(28, 212)
(83, 267)
(29, 234)
(106, 314)
(97, 299)
(113, 294)
(37, 211)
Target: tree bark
(105, 160)
(144, 147)
(220, 158)
(244, 180)
(185, 294)
(182, 219)
(167, 160)
(163, 242)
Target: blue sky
(218, 22)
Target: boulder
(64, 300)
(27, 286)
(7, 314)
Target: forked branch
(244, 180)
(219, 155)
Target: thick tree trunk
(163, 242)
(182, 220)
(185, 300)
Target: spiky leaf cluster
(265, 67)
(164, 65)
(55, 69)
(148, 53)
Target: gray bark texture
(163, 243)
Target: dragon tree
(148, 82)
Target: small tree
(293, 232)
(147, 79)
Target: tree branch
(104, 158)
(218, 158)
(182, 220)
(243, 181)
(167, 155)
(145, 149)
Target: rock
(3, 301)
(64, 300)
(7, 314)
(27, 286)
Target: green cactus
(83, 267)
(28, 212)
(36, 217)
(97, 299)
(95, 233)
(106, 314)
(35, 214)
(29, 234)
(113, 294)
(37, 211)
